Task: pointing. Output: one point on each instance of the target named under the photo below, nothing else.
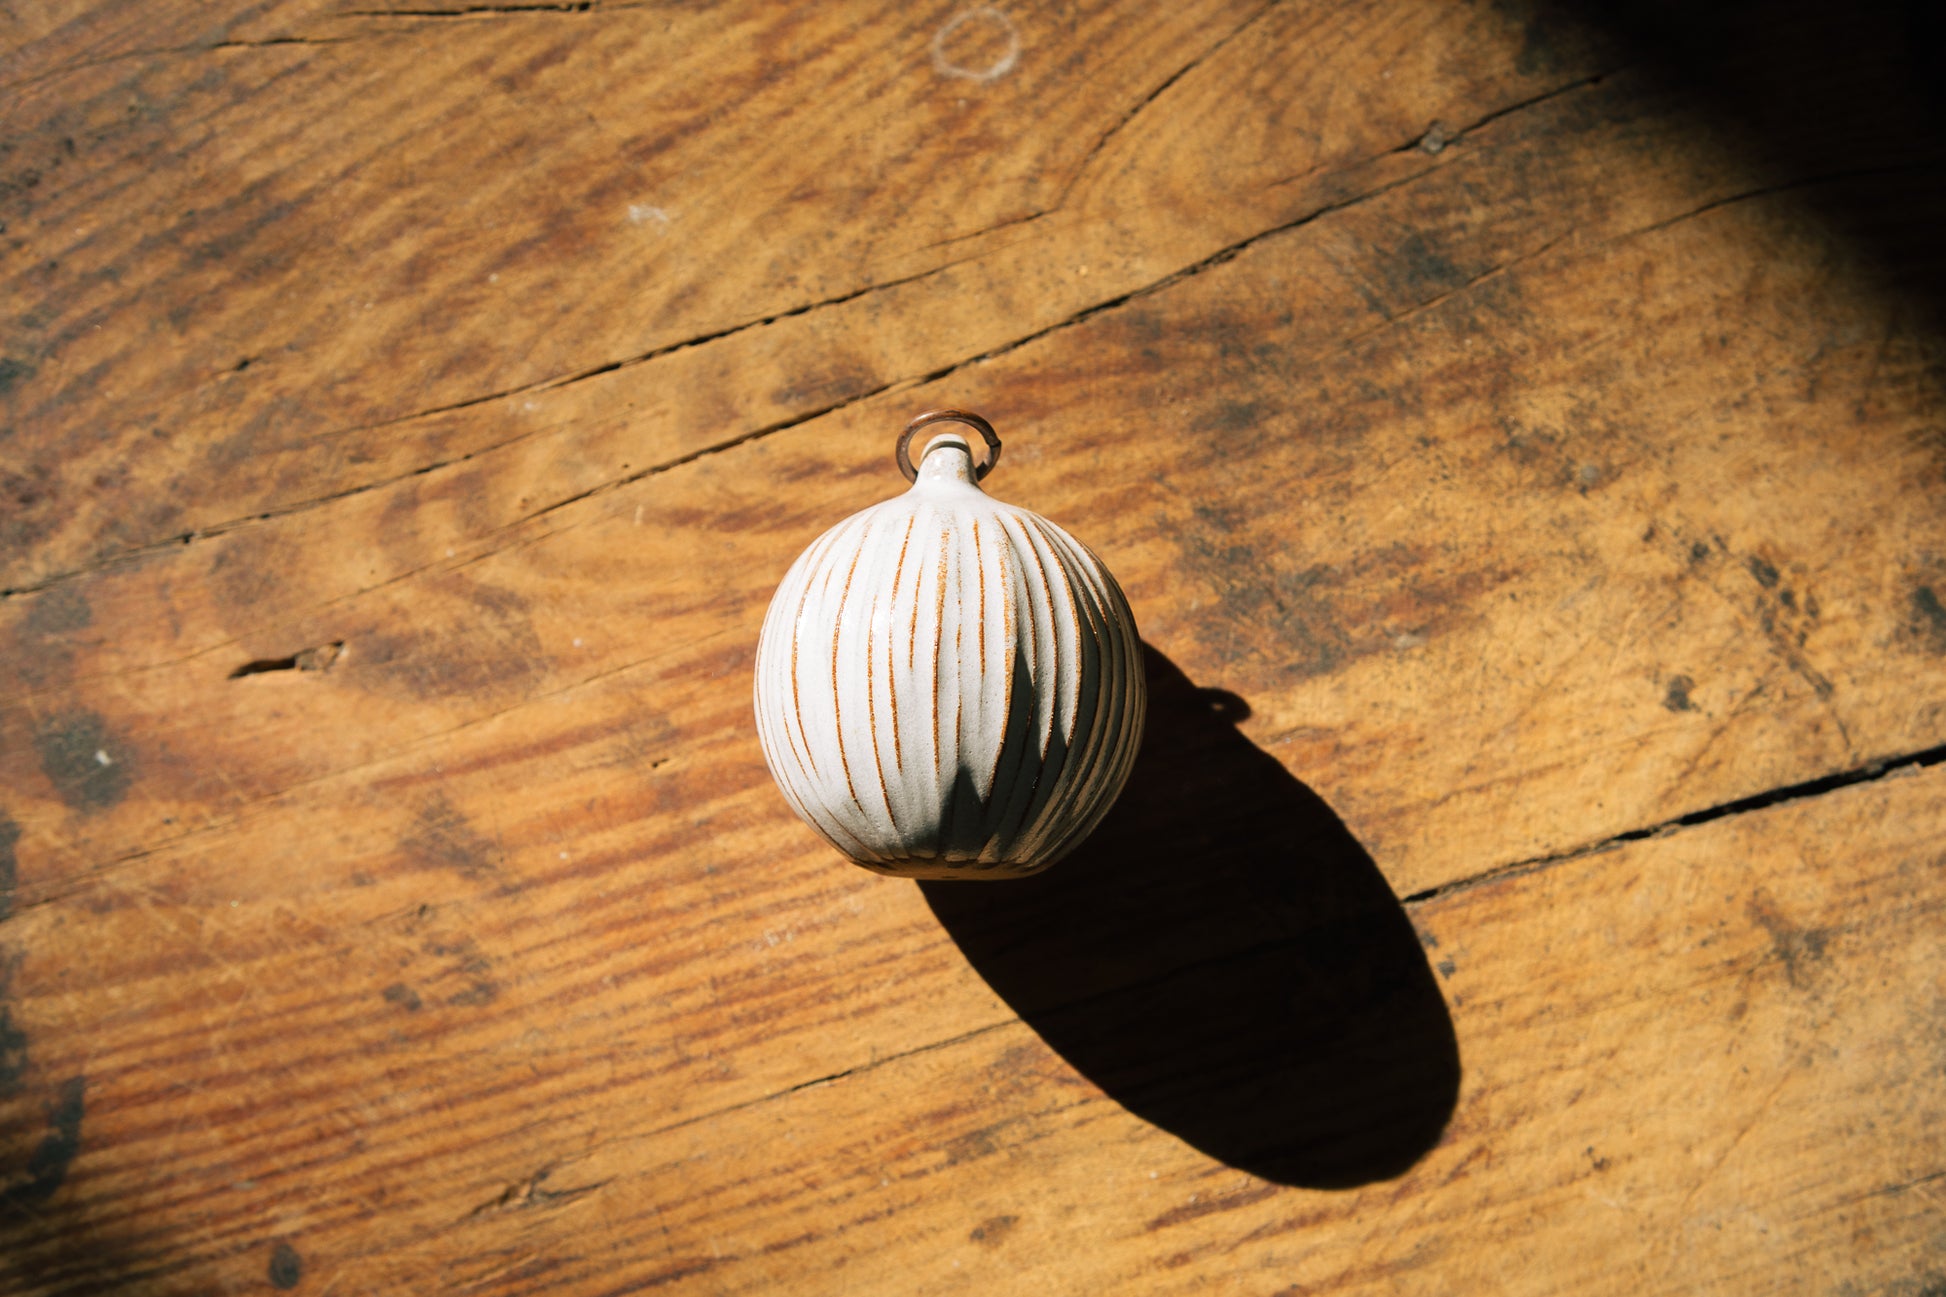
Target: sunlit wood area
(1519, 428)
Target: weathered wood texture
(405, 417)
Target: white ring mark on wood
(986, 15)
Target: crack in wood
(319, 658)
(469, 11)
(533, 1193)
(1870, 772)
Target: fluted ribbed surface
(949, 686)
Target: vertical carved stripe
(965, 692)
(980, 572)
(923, 782)
(837, 697)
(943, 704)
(892, 690)
(803, 573)
(874, 593)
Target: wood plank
(1697, 1063)
(1693, 1065)
(1540, 478)
(1671, 621)
(391, 242)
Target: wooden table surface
(1518, 429)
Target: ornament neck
(946, 461)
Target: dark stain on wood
(47, 1167)
(9, 863)
(467, 638)
(58, 611)
(1421, 271)
(465, 961)
(13, 1050)
(402, 995)
(1930, 617)
(840, 381)
(444, 838)
(1788, 626)
(1798, 947)
(1236, 418)
(1677, 697)
(286, 1266)
(991, 1231)
(1311, 621)
(45, 643)
(979, 1143)
(28, 494)
(89, 767)
(479, 993)
(14, 371)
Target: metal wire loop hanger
(985, 429)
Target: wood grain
(1504, 459)
(497, 235)
(1686, 1065)
(1347, 582)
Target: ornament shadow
(1225, 961)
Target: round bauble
(949, 686)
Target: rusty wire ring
(985, 429)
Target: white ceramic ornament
(949, 686)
